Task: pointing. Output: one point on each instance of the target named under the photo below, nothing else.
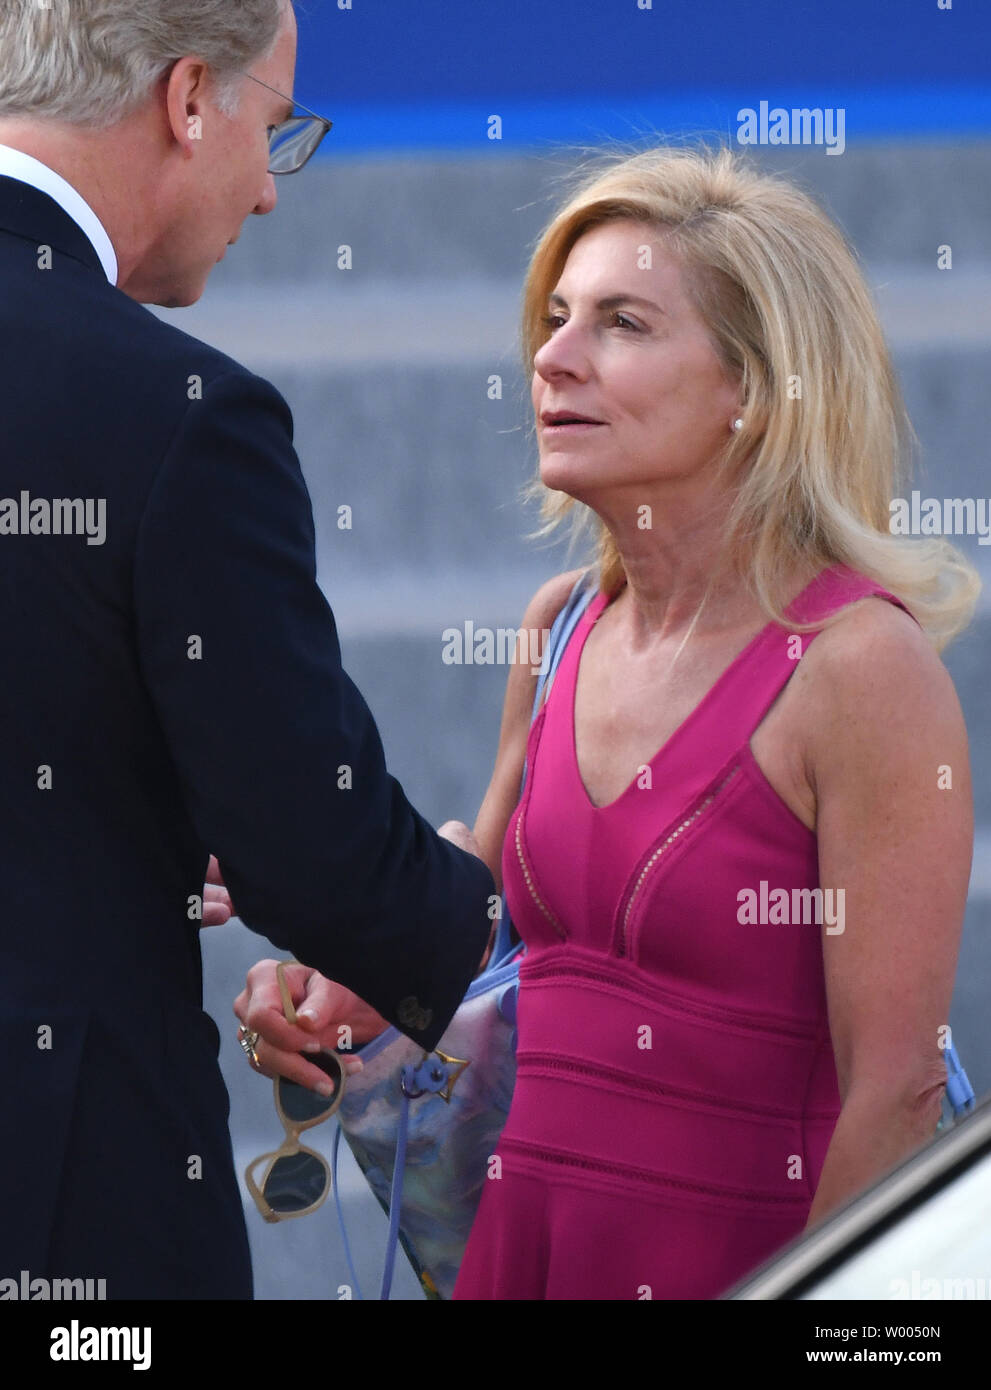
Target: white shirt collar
(26, 169)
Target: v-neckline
(678, 732)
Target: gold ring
(248, 1039)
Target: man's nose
(266, 203)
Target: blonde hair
(92, 62)
(785, 303)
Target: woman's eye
(553, 321)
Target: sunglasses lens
(299, 1103)
(295, 1183)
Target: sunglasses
(295, 1180)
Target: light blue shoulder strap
(560, 635)
(959, 1091)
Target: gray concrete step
(337, 322)
(432, 469)
(454, 218)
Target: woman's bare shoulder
(539, 617)
(874, 642)
(873, 677)
(549, 599)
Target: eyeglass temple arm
(288, 1008)
(299, 104)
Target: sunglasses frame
(290, 1145)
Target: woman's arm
(887, 762)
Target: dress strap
(747, 690)
(723, 722)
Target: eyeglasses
(294, 141)
(296, 1180)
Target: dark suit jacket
(112, 1086)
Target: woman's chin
(562, 474)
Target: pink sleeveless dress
(676, 1089)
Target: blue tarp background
(408, 74)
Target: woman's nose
(564, 352)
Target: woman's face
(629, 352)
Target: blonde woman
(739, 882)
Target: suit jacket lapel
(27, 212)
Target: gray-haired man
(175, 688)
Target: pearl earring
(737, 424)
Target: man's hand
(459, 834)
(328, 1017)
(325, 1011)
(217, 905)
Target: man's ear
(186, 94)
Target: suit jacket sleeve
(263, 723)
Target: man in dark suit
(172, 682)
